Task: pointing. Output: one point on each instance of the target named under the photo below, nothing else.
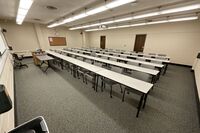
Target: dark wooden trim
(197, 98)
(180, 65)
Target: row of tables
(151, 55)
(153, 73)
(100, 52)
(125, 59)
(135, 84)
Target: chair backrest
(147, 66)
(152, 54)
(93, 54)
(116, 69)
(133, 63)
(162, 55)
(15, 56)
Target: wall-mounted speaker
(198, 56)
(5, 101)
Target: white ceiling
(8, 9)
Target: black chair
(36, 125)
(18, 61)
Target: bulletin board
(57, 41)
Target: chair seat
(132, 90)
(108, 81)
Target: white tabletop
(82, 64)
(133, 83)
(127, 66)
(145, 58)
(131, 60)
(136, 84)
(44, 57)
(127, 52)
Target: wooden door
(103, 42)
(139, 42)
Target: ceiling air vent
(51, 7)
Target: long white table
(134, 56)
(152, 72)
(135, 84)
(123, 59)
(128, 53)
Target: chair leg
(83, 78)
(124, 95)
(86, 79)
(110, 91)
(78, 75)
(121, 88)
(101, 86)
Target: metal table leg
(140, 104)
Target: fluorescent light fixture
(124, 19)
(183, 19)
(24, 6)
(96, 10)
(123, 26)
(22, 11)
(113, 4)
(148, 23)
(146, 15)
(158, 22)
(83, 15)
(117, 3)
(108, 22)
(114, 27)
(139, 24)
(181, 9)
(93, 29)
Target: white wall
(30, 36)
(180, 40)
(196, 68)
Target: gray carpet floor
(71, 106)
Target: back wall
(179, 40)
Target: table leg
(145, 99)
(166, 66)
(140, 104)
(61, 63)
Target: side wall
(7, 119)
(30, 36)
(180, 40)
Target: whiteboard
(3, 44)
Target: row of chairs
(88, 75)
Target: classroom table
(152, 72)
(44, 59)
(135, 84)
(124, 59)
(159, 66)
(128, 53)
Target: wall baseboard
(180, 65)
(26, 57)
